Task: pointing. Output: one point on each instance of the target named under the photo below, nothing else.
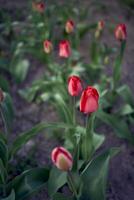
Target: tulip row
(58, 78)
(64, 46)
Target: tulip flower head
(120, 32)
(62, 158)
(1, 95)
(64, 49)
(74, 85)
(89, 100)
(38, 6)
(47, 46)
(69, 27)
(101, 25)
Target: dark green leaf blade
(29, 182)
(11, 196)
(25, 137)
(94, 176)
(59, 196)
(7, 111)
(56, 180)
(120, 127)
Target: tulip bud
(101, 25)
(1, 95)
(106, 60)
(74, 85)
(62, 158)
(69, 27)
(64, 49)
(89, 100)
(97, 34)
(47, 46)
(120, 32)
(38, 6)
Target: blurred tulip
(101, 25)
(97, 34)
(74, 85)
(1, 95)
(120, 32)
(47, 46)
(38, 6)
(64, 49)
(62, 158)
(89, 100)
(106, 60)
(69, 27)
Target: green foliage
(59, 196)
(29, 182)
(94, 176)
(11, 196)
(121, 129)
(7, 112)
(57, 179)
(20, 40)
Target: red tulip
(89, 100)
(74, 85)
(64, 49)
(101, 25)
(47, 46)
(38, 6)
(62, 158)
(69, 27)
(120, 32)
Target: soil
(121, 173)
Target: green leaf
(63, 109)
(41, 86)
(4, 84)
(29, 182)
(20, 70)
(2, 172)
(25, 137)
(29, 93)
(117, 65)
(11, 196)
(59, 196)
(3, 152)
(98, 140)
(120, 127)
(126, 110)
(94, 176)
(7, 111)
(56, 180)
(84, 28)
(125, 92)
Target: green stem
(74, 113)
(4, 190)
(78, 154)
(72, 185)
(4, 121)
(89, 136)
(117, 66)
